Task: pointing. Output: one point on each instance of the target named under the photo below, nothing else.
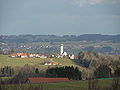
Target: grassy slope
(8, 61)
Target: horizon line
(57, 35)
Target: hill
(54, 38)
(36, 62)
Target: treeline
(6, 71)
(67, 71)
(104, 71)
(98, 65)
(72, 73)
(21, 75)
(93, 60)
(54, 38)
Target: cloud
(91, 2)
(95, 2)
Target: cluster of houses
(64, 55)
(26, 55)
(61, 55)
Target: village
(62, 54)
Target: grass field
(71, 85)
(8, 61)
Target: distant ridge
(55, 38)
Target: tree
(36, 71)
(88, 59)
(117, 72)
(103, 71)
(7, 71)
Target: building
(32, 55)
(62, 53)
(38, 55)
(65, 54)
(45, 80)
(22, 55)
(61, 49)
(42, 56)
(51, 63)
(13, 55)
(71, 56)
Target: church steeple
(61, 49)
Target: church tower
(61, 49)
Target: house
(43, 56)
(31, 55)
(22, 55)
(64, 54)
(13, 55)
(51, 62)
(47, 63)
(45, 80)
(54, 55)
(71, 56)
(40, 56)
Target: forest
(54, 38)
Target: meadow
(5, 60)
(71, 85)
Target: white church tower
(61, 49)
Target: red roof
(43, 79)
(19, 54)
(14, 54)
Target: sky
(59, 17)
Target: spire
(61, 49)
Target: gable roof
(43, 79)
(19, 54)
(14, 54)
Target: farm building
(45, 80)
(22, 55)
(51, 63)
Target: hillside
(36, 62)
(93, 60)
(54, 38)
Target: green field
(71, 85)
(5, 60)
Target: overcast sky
(59, 17)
